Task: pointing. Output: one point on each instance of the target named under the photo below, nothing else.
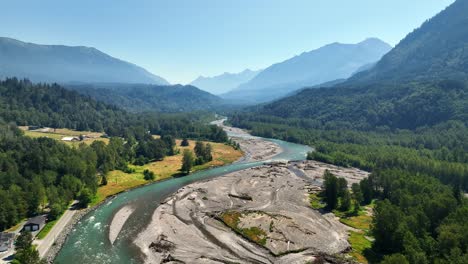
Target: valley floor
(257, 215)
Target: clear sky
(181, 39)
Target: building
(35, 224)
(6, 241)
(71, 139)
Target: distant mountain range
(328, 63)
(423, 81)
(146, 97)
(225, 82)
(57, 63)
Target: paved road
(43, 245)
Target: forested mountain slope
(421, 82)
(436, 50)
(36, 173)
(58, 63)
(142, 97)
(406, 121)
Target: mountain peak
(60, 63)
(224, 82)
(328, 63)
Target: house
(6, 241)
(35, 224)
(71, 139)
(34, 127)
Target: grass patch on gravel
(362, 221)
(359, 240)
(254, 234)
(360, 246)
(316, 202)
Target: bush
(148, 175)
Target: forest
(40, 173)
(419, 173)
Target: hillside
(421, 82)
(141, 97)
(57, 63)
(436, 50)
(328, 63)
(25, 104)
(225, 82)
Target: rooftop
(37, 220)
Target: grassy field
(118, 181)
(58, 134)
(359, 239)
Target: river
(89, 241)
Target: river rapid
(89, 240)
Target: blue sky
(181, 39)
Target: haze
(180, 40)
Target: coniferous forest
(40, 172)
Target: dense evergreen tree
(26, 253)
(187, 161)
(184, 143)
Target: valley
(347, 143)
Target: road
(6, 257)
(43, 245)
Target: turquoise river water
(89, 241)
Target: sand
(189, 228)
(118, 222)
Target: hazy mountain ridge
(145, 97)
(421, 82)
(331, 62)
(59, 63)
(225, 82)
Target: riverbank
(119, 182)
(218, 161)
(257, 215)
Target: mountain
(328, 63)
(225, 82)
(57, 63)
(438, 49)
(146, 97)
(421, 82)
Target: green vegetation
(316, 202)
(26, 253)
(187, 161)
(39, 172)
(46, 229)
(360, 246)
(254, 234)
(147, 97)
(118, 181)
(148, 175)
(203, 152)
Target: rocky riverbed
(258, 215)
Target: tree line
(41, 173)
